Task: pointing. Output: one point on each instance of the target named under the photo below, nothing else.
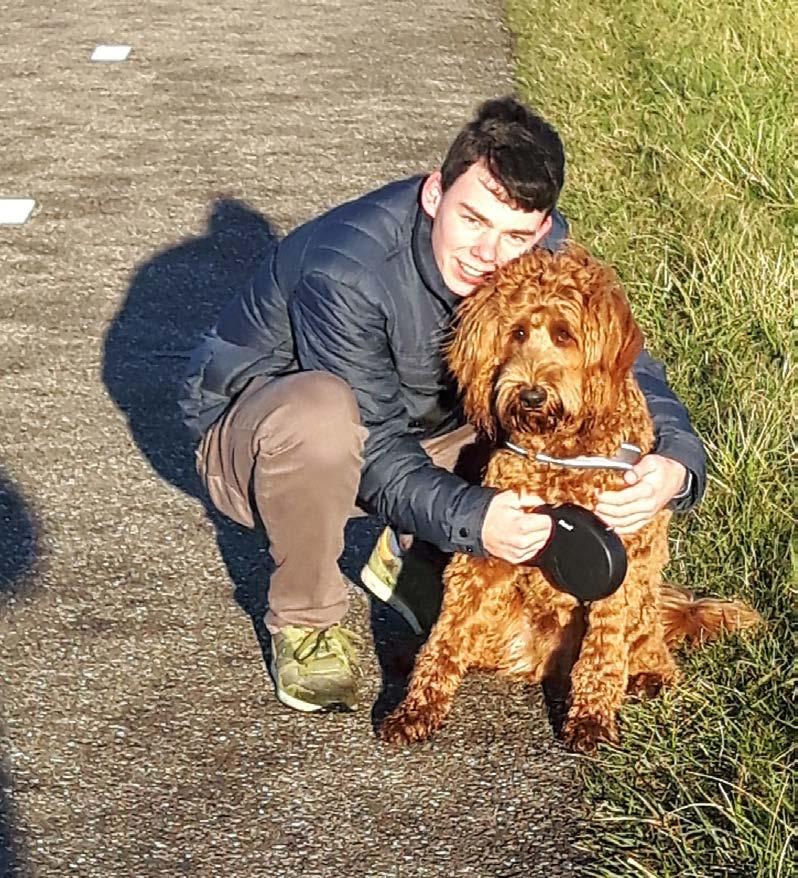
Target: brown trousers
(289, 450)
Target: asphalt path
(140, 735)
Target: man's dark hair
(520, 149)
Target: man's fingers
(625, 520)
(627, 529)
(621, 513)
(621, 523)
(640, 492)
(518, 555)
(537, 531)
(651, 463)
(631, 477)
(531, 524)
(525, 546)
(514, 532)
(530, 553)
(630, 508)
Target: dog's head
(545, 344)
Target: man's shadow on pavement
(172, 299)
(19, 550)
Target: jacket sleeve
(252, 337)
(674, 434)
(338, 330)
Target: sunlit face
(475, 229)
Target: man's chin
(463, 291)
(462, 288)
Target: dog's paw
(408, 726)
(583, 734)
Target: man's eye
(471, 221)
(519, 334)
(518, 240)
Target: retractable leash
(583, 556)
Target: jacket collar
(425, 262)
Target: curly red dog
(543, 355)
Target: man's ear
(543, 230)
(431, 194)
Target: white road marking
(110, 53)
(15, 211)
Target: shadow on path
(11, 864)
(172, 299)
(19, 539)
(19, 547)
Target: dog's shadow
(396, 647)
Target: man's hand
(510, 531)
(652, 484)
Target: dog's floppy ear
(614, 338)
(623, 340)
(474, 356)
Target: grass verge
(679, 123)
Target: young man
(322, 389)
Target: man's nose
(486, 248)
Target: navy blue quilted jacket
(357, 292)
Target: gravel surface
(140, 736)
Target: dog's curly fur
(560, 324)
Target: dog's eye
(519, 334)
(561, 336)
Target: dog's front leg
(439, 669)
(598, 680)
(446, 656)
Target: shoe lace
(335, 639)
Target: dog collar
(624, 458)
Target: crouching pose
(322, 393)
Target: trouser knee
(317, 419)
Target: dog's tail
(696, 620)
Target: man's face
(475, 229)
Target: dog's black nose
(532, 397)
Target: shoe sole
(381, 591)
(306, 706)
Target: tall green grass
(679, 123)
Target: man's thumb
(631, 477)
(647, 465)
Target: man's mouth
(471, 275)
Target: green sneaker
(410, 583)
(315, 668)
